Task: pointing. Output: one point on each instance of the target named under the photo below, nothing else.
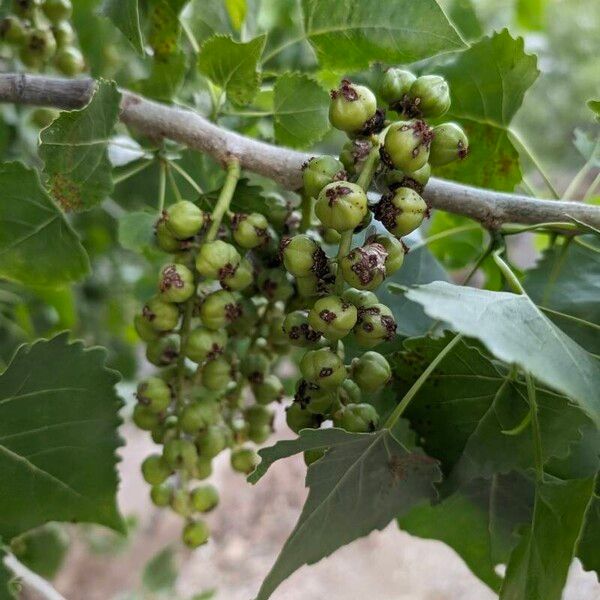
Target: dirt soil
(250, 527)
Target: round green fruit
(407, 145)
(298, 330)
(318, 172)
(176, 283)
(341, 206)
(183, 219)
(219, 309)
(449, 143)
(181, 503)
(144, 329)
(217, 260)
(254, 365)
(203, 344)
(395, 84)
(357, 418)
(160, 314)
(165, 240)
(303, 256)
(12, 30)
(316, 400)
(351, 107)
(323, 368)
(360, 298)
(164, 351)
(371, 371)
(212, 441)
(240, 278)
(429, 97)
(217, 374)
(395, 249)
(401, 211)
(155, 469)
(244, 460)
(145, 419)
(180, 454)
(160, 495)
(275, 285)
(155, 394)
(69, 61)
(205, 498)
(297, 417)
(364, 268)
(332, 316)
(199, 415)
(417, 180)
(63, 34)
(57, 10)
(249, 231)
(375, 325)
(203, 468)
(195, 534)
(349, 392)
(269, 390)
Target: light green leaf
(360, 485)
(539, 565)
(38, 247)
(459, 249)
(485, 103)
(237, 12)
(566, 282)
(351, 34)
(594, 106)
(126, 17)
(233, 65)
(136, 230)
(301, 110)
(75, 150)
(58, 437)
(166, 77)
(514, 330)
(462, 13)
(531, 14)
(160, 574)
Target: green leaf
(352, 34)
(587, 550)
(75, 150)
(160, 574)
(514, 330)
(467, 405)
(136, 230)
(461, 521)
(566, 282)
(462, 13)
(485, 102)
(38, 247)
(301, 110)
(126, 17)
(594, 106)
(539, 565)
(166, 77)
(58, 437)
(233, 65)
(237, 12)
(460, 249)
(531, 14)
(360, 485)
(43, 549)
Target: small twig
(31, 580)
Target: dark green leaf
(166, 77)
(125, 15)
(136, 230)
(594, 106)
(352, 34)
(539, 565)
(233, 66)
(361, 484)
(38, 247)
(42, 549)
(514, 330)
(460, 249)
(58, 437)
(301, 110)
(160, 574)
(587, 550)
(566, 281)
(75, 150)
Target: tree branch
(283, 165)
(32, 580)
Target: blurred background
(554, 131)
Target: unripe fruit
(160, 314)
(155, 394)
(354, 154)
(183, 219)
(257, 415)
(163, 351)
(203, 343)
(219, 310)
(349, 392)
(165, 240)
(341, 206)
(155, 470)
(212, 441)
(217, 374)
(145, 419)
(360, 298)
(161, 495)
(203, 468)
(428, 97)
(303, 256)
(449, 143)
(259, 434)
(25, 8)
(375, 324)
(357, 418)
(275, 285)
(417, 180)
(312, 456)
(199, 415)
(254, 365)
(39, 45)
(395, 84)
(166, 430)
(244, 460)
(12, 30)
(247, 319)
(69, 61)
(269, 390)
(364, 223)
(241, 277)
(299, 418)
(144, 329)
(395, 249)
(318, 172)
(351, 107)
(407, 145)
(180, 454)
(333, 317)
(217, 259)
(57, 10)
(205, 498)
(312, 285)
(176, 283)
(63, 34)
(364, 268)
(316, 400)
(298, 330)
(371, 371)
(195, 534)
(323, 367)
(181, 502)
(402, 211)
(249, 231)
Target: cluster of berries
(40, 33)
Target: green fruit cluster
(214, 329)
(40, 35)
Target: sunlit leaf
(125, 15)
